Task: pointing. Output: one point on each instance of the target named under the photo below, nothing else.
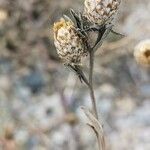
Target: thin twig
(100, 138)
(91, 64)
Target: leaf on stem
(96, 126)
(116, 33)
(79, 73)
(77, 18)
(103, 37)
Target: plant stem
(91, 65)
(100, 140)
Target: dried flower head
(69, 43)
(100, 11)
(142, 53)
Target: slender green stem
(91, 65)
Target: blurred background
(40, 99)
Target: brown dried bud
(142, 53)
(100, 11)
(69, 44)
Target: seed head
(100, 11)
(69, 44)
(142, 53)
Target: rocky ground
(40, 99)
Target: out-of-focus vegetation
(40, 99)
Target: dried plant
(100, 11)
(70, 45)
(142, 53)
(72, 41)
